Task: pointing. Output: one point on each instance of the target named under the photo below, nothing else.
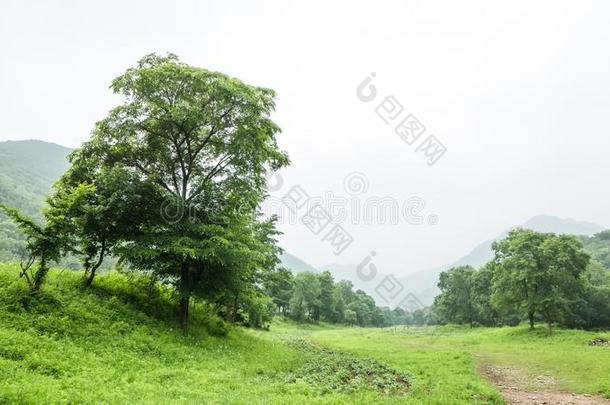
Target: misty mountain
(28, 169)
(295, 264)
(423, 283)
(541, 223)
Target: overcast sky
(517, 91)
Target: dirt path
(516, 389)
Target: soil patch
(541, 389)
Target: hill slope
(294, 264)
(28, 169)
(119, 342)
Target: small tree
(455, 303)
(113, 207)
(44, 245)
(305, 301)
(327, 297)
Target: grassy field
(109, 345)
(446, 361)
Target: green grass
(442, 375)
(119, 342)
(444, 360)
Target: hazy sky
(517, 91)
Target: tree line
(315, 297)
(534, 277)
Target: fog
(518, 94)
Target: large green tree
(305, 301)
(456, 302)
(539, 273)
(204, 141)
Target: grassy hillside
(28, 169)
(118, 343)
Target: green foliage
(350, 317)
(592, 309)
(113, 205)
(44, 245)
(315, 297)
(119, 342)
(539, 273)
(305, 301)
(598, 247)
(183, 139)
(260, 311)
(455, 303)
(533, 276)
(445, 361)
(278, 284)
(466, 298)
(66, 343)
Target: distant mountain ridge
(295, 264)
(424, 282)
(482, 253)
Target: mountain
(541, 223)
(295, 264)
(28, 169)
(423, 283)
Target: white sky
(518, 91)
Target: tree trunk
(184, 311)
(549, 326)
(39, 277)
(234, 310)
(531, 318)
(184, 296)
(91, 273)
